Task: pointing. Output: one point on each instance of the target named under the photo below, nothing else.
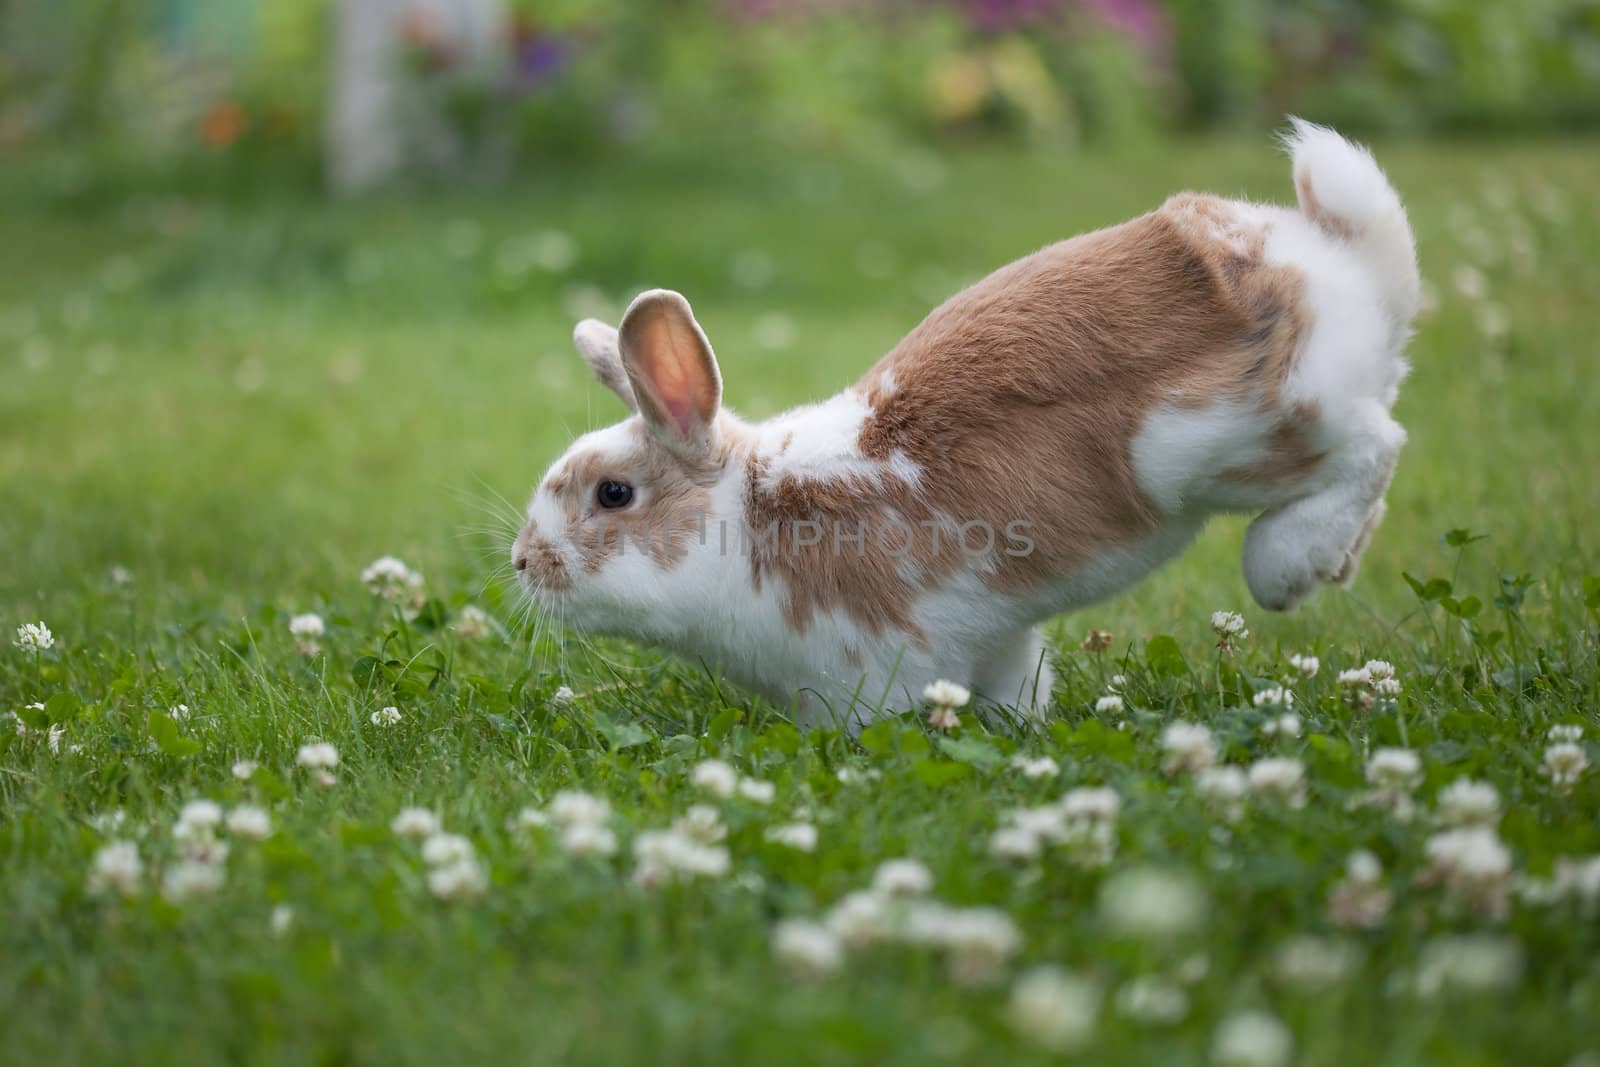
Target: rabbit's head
(622, 534)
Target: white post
(366, 140)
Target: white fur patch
(818, 442)
(1178, 452)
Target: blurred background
(358, 93)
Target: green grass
(244, 403)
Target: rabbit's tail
(1344, 193)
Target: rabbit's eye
(613, 495)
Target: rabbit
(1039, 442)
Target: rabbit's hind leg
(1317, 539)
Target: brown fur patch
(1312, 208)
(866, 576)
(1019, 398)
(676, 497)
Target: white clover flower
(1469, 963)
(1308, 666)
(1565, 763)
(1252, 1039)
(807, 949)
(1035, 767)
(245, 769)
(664, 856)
(1359, 901)
(1054, 1008)
(800, 836)
(860, 918)
(390, 579)
(1470, 283)
(1465, 802)
(1274, 697)
(1189, 748)
(1015, 844)
(1576, 879)
(1570, 733)
(1314, 964)
(902, 878)
(1355, 676)
(179, 713)
(1379, 669)
(945, 697)
(1098, 640)
(757, 791)
(248, 821)
(1045, 824)
(192, 878)
(20, 727)
(1286, 725)
(1362, 866)
(1225, 788)
(1280, 778)
(553, 250)
(977, 943)
(701, 823)
(563, 696)
(317, 755)
(588, 839)
(388, 716)
(946, 694)
(120, 575)
(1229, 628)
(1228, 624)
(1110, 704)
(205, 848)
(1394, 770)
(281, 920)
(57, 732)
(306, 629)
(1092, 802)
(715, 777)
(1117, 682)
(459, 879)
(1474, 867)
(1152, 904)
(529, 818)
(857, 775)
(418, 823)
(442, 849)
(1387, 689)
(34, 637)
(472, 623)
(1152, 1001)
(198, 818)
(117, 867)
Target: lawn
(218, 411)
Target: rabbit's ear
(597, 344)
(673, 371)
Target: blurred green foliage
(241, 87)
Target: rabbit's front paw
(1289, 552)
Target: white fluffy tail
(1344, 193)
